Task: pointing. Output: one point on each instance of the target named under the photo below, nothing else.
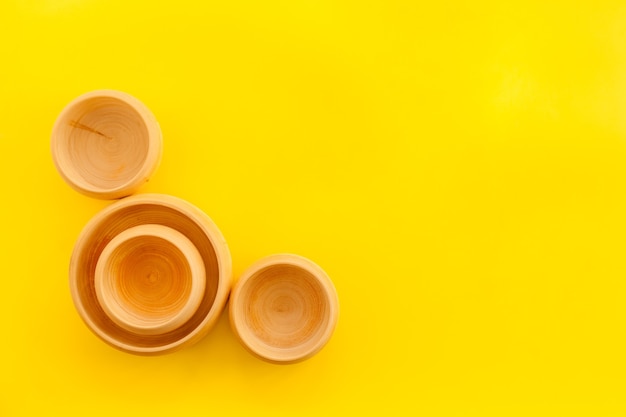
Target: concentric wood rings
(147, 330)
(106, 144)
(284, 308)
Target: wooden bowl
(106, 144)
(284, 308)
(98, 238)
(150, 279)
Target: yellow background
(457, 167)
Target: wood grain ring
(106, 144)
(150, 279)
(284, 308)
(150, 209)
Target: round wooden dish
(106, 144)
(115, 220)
(150, 279)
(284, 308)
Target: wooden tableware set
(152, 273)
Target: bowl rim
(148, 167)
(236, 310)
(213, 234)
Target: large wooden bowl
(284, 308)
(114, 221)
(106, 144)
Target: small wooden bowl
(284, 308)
(106, 144)
(126, 214)
(150, 279)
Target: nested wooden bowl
(134, 274)
(284, 308)
(106, 144)
(150, 279)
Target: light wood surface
(150, 209)
(284, 308)
(106, 144)
(150, 279)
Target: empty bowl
(150, 279)
(135, 271)
(284, 308)
(106, 144)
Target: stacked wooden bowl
(151, 273)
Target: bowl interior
(88, 252)
(101, 143)
(285, 307)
